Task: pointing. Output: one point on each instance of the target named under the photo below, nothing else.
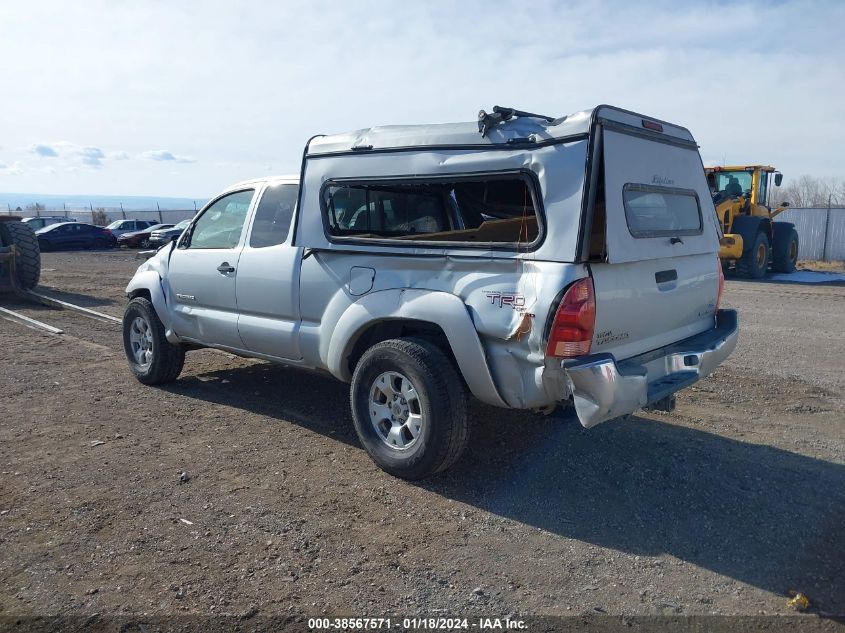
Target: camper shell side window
(500, 209)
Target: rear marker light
(651, 125)
(571, 333)
(721, 283)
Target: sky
(163, 98)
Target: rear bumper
(603, 389)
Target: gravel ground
(721, 507)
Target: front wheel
(754, 263)
(152, 358)
(409, 407)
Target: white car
(119, 227)
(529, 261)
(39, 223)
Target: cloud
(165, 155)
(11, 170)
(44, 150)
(120, 155)
(91, 156)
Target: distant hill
(79, 202)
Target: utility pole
(826, 230)
(160, 220)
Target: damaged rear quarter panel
(507, 302)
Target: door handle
(225, 268)
(665, 276)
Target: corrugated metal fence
(821, 232)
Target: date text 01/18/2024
(416, 623)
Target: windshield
(732, 183)
(115, 225)
(157, 227)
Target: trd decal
(506, 300)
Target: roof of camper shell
(467, 134)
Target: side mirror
(778, 178)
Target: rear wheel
(409, 408)
(785, 250)
(145, 243)
(27, 252)
(754, 262)
(152, 358)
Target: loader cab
(751, 182)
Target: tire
(28, 252)
(785, 250)
(754, 262)
(164, 360)
(145, 244)
(100, 244)
(440, 403)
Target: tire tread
(28, 253)
(746, 267)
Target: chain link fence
(105, 215)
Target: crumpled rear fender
(443, 309)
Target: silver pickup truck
(528, 260)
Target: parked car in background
(46, 220)
(165, 236)
(119, 227)
(69, 235)
(140, 239)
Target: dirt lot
(721, 507)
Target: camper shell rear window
(495, 209)
(654, 211)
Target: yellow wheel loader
(752, 241)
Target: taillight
(572, 330)
(721, 283)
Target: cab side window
(221, 224)
(763, 188)
(272, 218)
